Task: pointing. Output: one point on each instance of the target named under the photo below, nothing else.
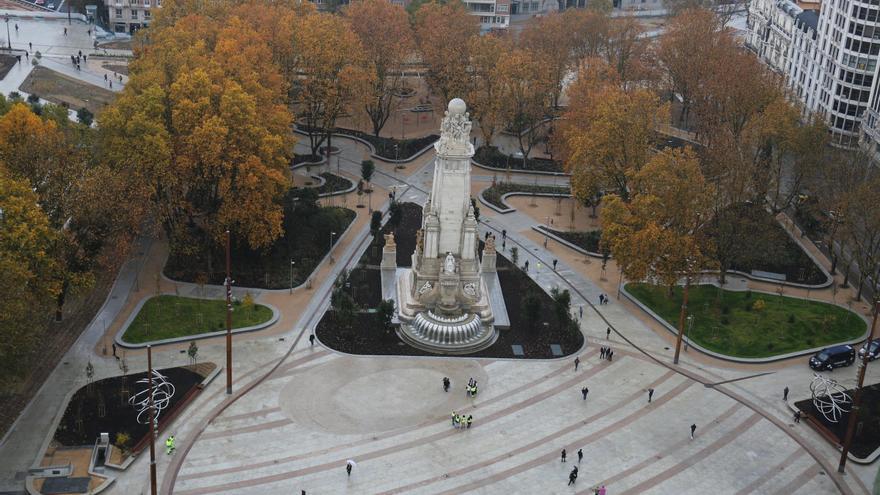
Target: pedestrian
(581, 311)
(608, 333)
(545, 243)
(453, 418)
(111, 83)
(114, 349)
(80, 53)
(85, 58)
(73, 60)
(504, 235)
(693, 429)
(504, 245)
(78, 67)
(470, 419)
(16, 27)
(445, 384)
(563, 455)
(487, 237)
(65, 31)
(585, 391)
(577, 361)
(797, 416)
(785, 394)
(650, 394)
(169, 445)
(601, 298)
(580, 455)
(30, 45)
(554, 264)
(602, 353)
(572, 476)
(120, 78)
(527, 265)
(89, 32)
(312, 336)
(349, 464)
(610, 354)
(27, 55)
(602, 490)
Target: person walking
(577, 361)
(650, 394)
(797, 416)
(580, 455)
(114, 349)
(607, 333)
(563, 455)
(30, 45)
(85, 58)
(169, 445)
(446, 384)
(349, 465)
(312, 336)
(527, 265)
(581, 312)
(610, 355)
(454, 416)
(554, 264)
(16, 28)
(602, 490)
(601, 298)
(572, 476)
(602, 352)
(470, 419)
(65, 31)
(693, 430)
(785, 394)
(584, 392)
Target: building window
(119, 13)
(146, 14)
(134, 14)
(502, 8)
(146, 3)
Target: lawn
(734, 323)
(166, 317)
(63, 90)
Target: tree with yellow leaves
(385, 34)
(30, 280)
(330, 73)
(608, 133)
(659, 235)
(527, 91)
(484, 100)
(443, 32)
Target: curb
(542, 229)
(372, 148)
(519, 171)
(276, 315)
(509, 208)
(734, 359)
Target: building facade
(127, 16)
(828, 59)
(493, 14)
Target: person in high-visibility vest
(169, 445)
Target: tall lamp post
(331, 246)
(8, 38)
(681, 318)
(291, 275)
(152, 422)
(228, 284)
(857, 399)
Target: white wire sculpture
(163, 390)
(830, 398)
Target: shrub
(759, 305)
(748, 294)
(514, 255)
(791, 318)
(725, 320)
(84, 116)
(122, 440)
(725, 310)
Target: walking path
(298, 413)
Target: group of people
(606, 353)
(461, 421)
(76, 59)
(472, 387)
(603, 299)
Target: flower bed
(495, 193)
(490, 156)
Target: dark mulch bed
(760, 243)
(494, 193)
(867, 437)
(306, 240)
(7, 62)
(333, 183)
(490, 156)
(588, 240)
(369, 336)
(406, 148)
(297, 159)
(81, 423)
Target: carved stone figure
(420, 239)
(389, 241)
(449, 264)
(490, 244)
(470, 289)
(425, 288)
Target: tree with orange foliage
(550, 38)
(526, 92)
(331, 77)
(484, 98)
(443, 33)
(387, 40)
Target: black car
(833, 357)
(874, 353)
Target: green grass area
(734, 323)
(166, 317)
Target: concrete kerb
(543, 229)
(372, 148)
(828, 278)
(509, 208)
(255, 289)
(340, 191)
(118, 338)
(735, 359)
(858, 460)
(519, 171)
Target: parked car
(833, 357)
(51, 6)
(874, 353)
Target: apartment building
(493, 14)
(127, 16)
(829, 58)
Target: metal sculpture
(163, 390)
(829, 398)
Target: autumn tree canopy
(443, 33)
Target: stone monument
(442, 306)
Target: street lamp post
(152, 419)
(228, 284)
(857, 399)
(8, 38)
(681, 317)
(690, 324)
(291, 275)
(331, 246)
